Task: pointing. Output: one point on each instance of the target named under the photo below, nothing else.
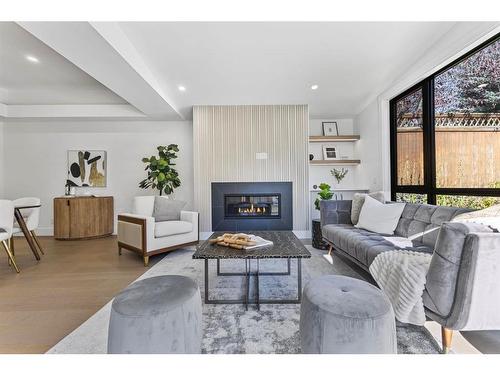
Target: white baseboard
(205, 235)
(302, 234)
(40, 231)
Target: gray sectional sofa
(463, 282)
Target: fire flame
(252, 210)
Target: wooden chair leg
(10, 256)
(37, 242)
(330, 249)
(119, 250)
(146, 260)
(446, 337)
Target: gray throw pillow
(167, 209)
(359, 199)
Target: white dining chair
(6, 225)
(31, 217)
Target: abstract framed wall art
(87, 168)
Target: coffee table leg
(206, 280)
(247, 271)
(257, 286)
(299, 279)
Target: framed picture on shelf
(330, 128)
(329, 153)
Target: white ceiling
(143, 63)
(53, 80)
(276, 63)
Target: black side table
(317, 237)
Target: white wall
(2, 179)
(35, 158)
(368, 148)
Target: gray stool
(157, 315)
(340, 314)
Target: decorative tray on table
(240, 241)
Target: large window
(445, 134)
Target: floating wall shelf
(334, 138)
(335, 162)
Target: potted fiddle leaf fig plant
(161, 173)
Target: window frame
(429, 187)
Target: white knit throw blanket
(401, 275)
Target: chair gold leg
(146, 260)
(11, 243)
(37, 242)
(446, 336)
(10, 256)
(11, 247)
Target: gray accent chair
(158, 315)
(462, 288)
(342, 315)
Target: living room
(249, 187)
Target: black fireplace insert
(241, 206)
(263, 206)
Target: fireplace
(259, 206)
(240, 206)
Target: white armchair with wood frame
(138, 231)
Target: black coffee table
(285, 246)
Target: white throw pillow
(488, 216)
(379, 217)
(357, 203)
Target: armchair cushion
(167, 209)
(171, 227)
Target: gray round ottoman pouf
(157, 315)
(340, 314)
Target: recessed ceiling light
(32, 59)
(181, 88)
(314, 87)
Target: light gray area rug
(231, 329)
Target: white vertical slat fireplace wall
(230, 144)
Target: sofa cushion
(167, 209)
(171, 227)
(443, 271)
(421, 222)
(365, 245)
(359, 199)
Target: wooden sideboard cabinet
(77, 218)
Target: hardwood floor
(50, 298)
